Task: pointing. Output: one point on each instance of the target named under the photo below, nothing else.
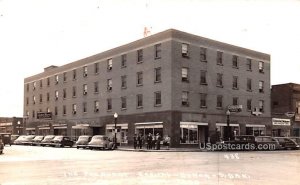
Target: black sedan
(61, 141)
(287, 143)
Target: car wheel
(77, 147)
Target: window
(203, 100)
(56, 95)
(27, 100)
(64, 93)
(157, 74)
(139, 56)
(109, 84)
(123, 82)
(157, 51)
(85, 71)
(123, 102)
(34, 85)
(219, 58)
(123, 60)
(74, 109)
(55, 111)
(249, 105)
(203, 80)
(96, 68)
(219, 101)
(74, 74)
(64, 110)
(96, 87)
(41, 98)
(84, 89)
(184, 74)
(33, 100)
(235, 82)
(261, 105)
(185, 98)
(249, 64)
(109, 104)
(27, 87)
(139, 101)
(48, 81)
(185, 50)
(74, 91)
(65, 76)
(188, 134)
(56, 79)
(235, 101)
(33, 114)
(203, 55)
(261, 86)
(84, 107)
(48, 109)
(41, 83)
(219, 80)
(109, 64)
(261, 66)
(157, 98)
(48, 96)
(235, 61)
(249, 84)
(139, 77)
(96, 106)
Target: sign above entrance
(290, 114)
(282, 122)
(44, 115)
(235, 108)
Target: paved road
(25, 165)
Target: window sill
(204, 61)
(140, 107)
(157, 81)
(249, 90)
(203, 83)
(97, 73)
(219, 108)
(156, 58)
(235, 67)
(250, 70)
(235, 88)
(139, 62)
(157, 105)
(123, 67)
(138, 85)
(109, 110)
(220, 86)
(123, 109)
(96, 92)
(203, 107)
(220, 64)
(123, 87)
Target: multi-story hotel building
(172, 83)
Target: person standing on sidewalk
(140, 141)
(167, 141)
(135, 141)
(153, 141)
(149, 141)
(158, 139)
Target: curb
(162, 150)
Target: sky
(35, 34)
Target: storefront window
(256, 131)
(151, 127)
(121, 134)
(188, 134)
(234, 129)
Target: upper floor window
(56, 78)
(157, 74)
(261, 66)
(203, 55)
(185, 50)
(48, 96)
(235, 82)
(48, 81)
(84, 107)
(96, 87)
(139, 78)
(109, 64)
(219, 58)
(48, 109)
(64, 93)
(249, 64)
(139, 55)
(184, 74)
(74, 91)
(74, 109)
(123, 82)
(157, 98)
(139, 100)
(56, 95)
(219, 101)
(219, 80)
(123, 60)
(249, 84)
(34, 85)
(74, 74)
(41, 83)
(123, 102)
(185, 98)
(33, 100)
(96, 106)
(261, 86)
(235, 61)
(55, 111)
(109, 84)
(203, 100)
(85, 89)
(27, 87)
(261, 105)
(109, 104)
(157, 51)
(27, 100)
(64, 110)
(203, 80)
(96, 68)
(235, 101)
(249, 105)
(65, 76)
(85, 71)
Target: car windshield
(38, 137)
(98, 138)
(83, 138)
(47, 138)
(58, 138)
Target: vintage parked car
(100, 142)
(28, 139)
(83, 141)
(47, 140)
(20, 140)
(1, 145)
(267, 143)
(61, 141)
(296, 139)
(13, 138)
(6, 138)
(37, 140)
(287, 143)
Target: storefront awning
(122, 125)
(44, 128)
(193, 123)
(30, 128)
(60, 128)
(148, 125)
(255, 125)
(225, 124)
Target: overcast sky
(37, 33)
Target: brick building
(172, 83)
(12, 125)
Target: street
(28, 165)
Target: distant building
(172, 83)
(286, 108)
(13, 125)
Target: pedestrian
(140, 141)
(158, 139)
(149, 141)
(167, 141)
(135, 141)
(153, 145)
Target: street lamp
(115, 140)
(19, 127)
(227, 130)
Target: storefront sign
(5, 124)
(282, 122)
(290, 114)
(297, 117)
(235, 108)
(44, 115)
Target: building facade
(286, 109)
(172, 83)
(12, 125)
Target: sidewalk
(162, 149)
